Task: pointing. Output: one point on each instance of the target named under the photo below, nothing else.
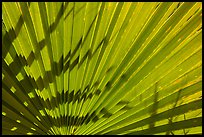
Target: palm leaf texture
(102, 68)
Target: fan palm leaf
(102, 68)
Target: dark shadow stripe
(12, 33)
(53, 26)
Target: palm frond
(101, 68)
